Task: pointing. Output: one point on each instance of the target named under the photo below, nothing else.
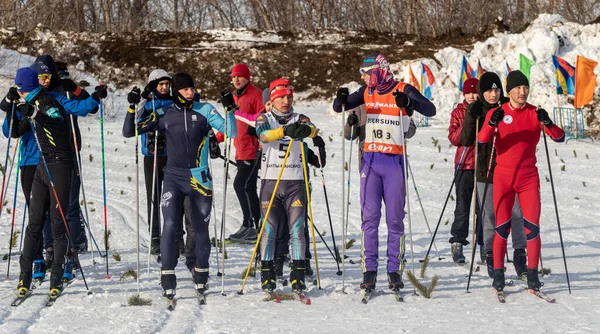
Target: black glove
(342, 95)
(318, 141)
(352, 120)
(134, 96)
(402, 101)
(26, 109)
(69, 85)
(297, 130)
(150, 87)
(13, 94)
(476, 109)
(312, 158)
(322, 154)
(251, 131)
(227, 100)
(100, 93)
(543, 117)
(497, 116)
(213, 145)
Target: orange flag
(585, 81)
(412, 80)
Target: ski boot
(168, 281)
(68, 275)
(520, 262)
(267, 276)
(369, 280)
(39, 270)
(200, 276)
(489, 262)
(56, 286)
(297, 275)
(279, 267)
(457, 253)
(308, 271)
(499, 282)
(395, 281)
(533, 281)
(24, 284)
(49, 257)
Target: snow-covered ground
(106, 310)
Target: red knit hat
(240, 70)
(280, 87)
(470, 86)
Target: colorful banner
(466, 72)
(525, 65)
(480, 69)
(427, 81)
(412, 80)
(585, 81)
(565, 76)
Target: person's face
(163, 87)
(239, 82)
(518, 95)
(187, 93)
(23, 94)
(268, 106)
(44, 80)
(283, 103)
(470, 97)
(492, 96)
(365, 78)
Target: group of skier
(180, 134)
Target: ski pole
(14, 209)
(405, 176)
(349, 174)
(59, 206)
(337, 254)
(103, 186)
(422, 209)
(344, 231)
(223, 212)
(264, 223)
(556, 210)
(25, 209)
(214, 212)
(312, 225)
(92, 236)
(153, 204)
(2, 194)
(324, 242)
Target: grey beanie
(158, 74)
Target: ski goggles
(45, 76)
(368, 70)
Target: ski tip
(308, 302)
(278, 299)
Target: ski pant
(244, 185)
(288, 208)
(526, 184)
(519, 240)
(41, 190)
(283, 239)
(382, 177)
(74, 218)
(153, 203)
(27, 175)
(190, 239)
(179, 183)
(464, 187)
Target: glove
(318, 141)
(476, 109)
(227, 100)
(134, 96)
(13, 94)
(322, 154)
(342, 95)
(69, 85)
(150, 87)
(100, 93)
(297, 130)
(312, 158)
(352, 120)
(497, 116)
(26, 109)
(402, 101)
(251, 131)
(542, 116)
(213, 145)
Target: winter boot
(279, 266)
(155, 246)
(520, 262)
(56, 285)
(244, 235)
(395, 281)
(499, 282)
(267, 276)
(297, 276)
(490, 264)
(533, 281)
(39, 270)
(81, 244)
(200, 276)
(457, 253)
(68, 275)
(49, 257)
(24, 284)
(308, 271)
(369, 280)
(168, 281)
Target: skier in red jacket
(514, 128)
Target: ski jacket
(464, 153)
(249, 101)
(147, 139)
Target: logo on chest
(507, 119)
(194, 118)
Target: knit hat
(266, 95)
(514, 79)
(280, 87)
(26, 80)
(159, 74)
(240, 70)
(470, 86)
(40, 68)
(182, 80)
(489, 80)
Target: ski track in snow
(332, 311)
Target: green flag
(525, 65)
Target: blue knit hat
(26, 80)
(40, 68)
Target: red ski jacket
(456, 121)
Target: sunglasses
(44, 76)
(367, 70)
(282, 87)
